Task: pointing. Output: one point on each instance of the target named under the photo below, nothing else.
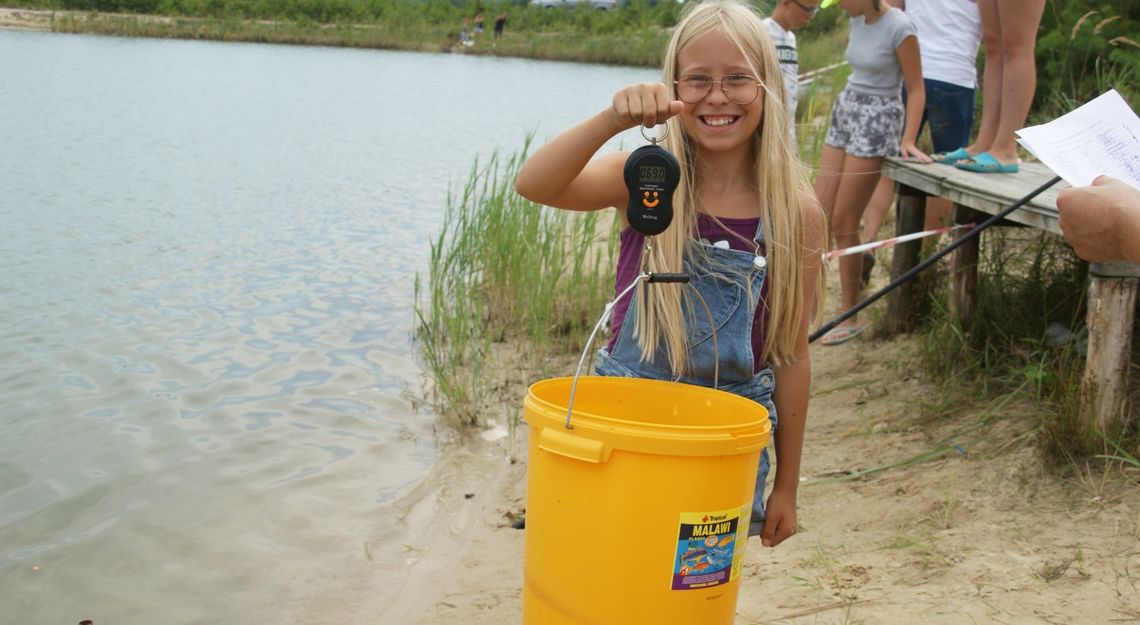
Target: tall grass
(506, 272)
(1085, 49)
(1026, 337)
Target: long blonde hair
(781, 181)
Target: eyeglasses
(811, 11)
(739, 88)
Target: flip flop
(985, 163)
(841, 335)
(949, 158)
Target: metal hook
(655, 140)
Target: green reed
(510, 284)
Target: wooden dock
(976, 197)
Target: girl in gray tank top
(866, 126)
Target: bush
(1084, 49)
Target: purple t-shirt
(629, 265)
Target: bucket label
(708, 553)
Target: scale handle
(677, 278)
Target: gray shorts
(866, 125)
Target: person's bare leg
(992, 78)
(939, 212)
(856, 186)
(1019, 21)
(828, 177)
(877, 208)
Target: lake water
(208, 385)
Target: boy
(790, 15)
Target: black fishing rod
(913, 271)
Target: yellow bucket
(639, 512)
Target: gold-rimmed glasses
(811, 11)
(739, 88)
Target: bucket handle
(649, 278)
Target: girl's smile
(719, 121)
(716, 122)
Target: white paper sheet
(1101, 137)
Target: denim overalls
(732, 308)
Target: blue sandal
(949, 158)
(985, 163)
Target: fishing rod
(913, 271)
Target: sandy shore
(980, 535)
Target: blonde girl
(746, 228)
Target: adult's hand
(1102, 221)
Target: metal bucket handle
(648, 278)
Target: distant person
(465, 34)
(479, 23)
(1102, 221)
(866, 126)
(1009, 35)
(949, 32)
(790, 15)
(500, 22)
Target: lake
(210, 389)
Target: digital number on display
(652, 173)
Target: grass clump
(510, 285)
(1085, 49)
(1024, 341)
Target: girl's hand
(909, 151)
(779, 518)
(646, 104)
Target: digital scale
(652, 174)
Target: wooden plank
(987, 193)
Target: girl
(746, 228)
(866, 125)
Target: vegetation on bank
(1084, 46)
(635, 34)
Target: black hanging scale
(651, 176)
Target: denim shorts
(950, 113)
(866, 125)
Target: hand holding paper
(1098, 144)
(1102, 221)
